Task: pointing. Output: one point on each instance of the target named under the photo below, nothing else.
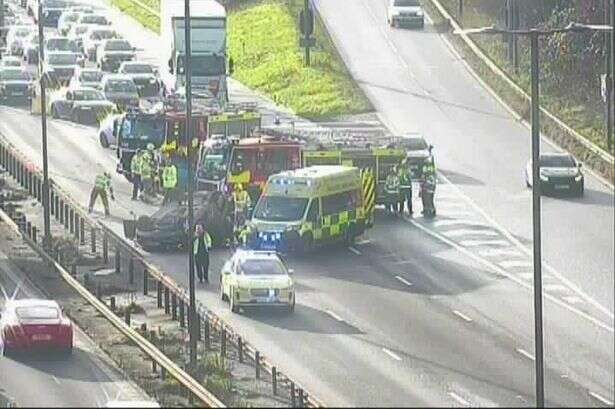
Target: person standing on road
(405, 187)
(428, 191)
(147, 169)
(169, 181)
(200, 249)
(135, 170)
(241, 201)
(102, 184)
(391, 189)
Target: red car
(34, 324)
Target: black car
(81, 105)
(120, 90)
(15, 85)
(144, 76)
(559, 173)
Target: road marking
(403, 262)
(498, 252)
(458, 399)
(556, 288)
(477, 243)
(600, 398)
(469, 232)
(403, 280)
(514, 263)
(362, 242)
(56, 380)
(451, 222)
(512, 277)
(391, 354)
(462, 316)
(526, 354)
(572, 299)
(335, 316)
(355, 251)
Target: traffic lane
(417, 84)
(577, 351)
(58, 381)
(479, 363)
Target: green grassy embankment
(144, 17)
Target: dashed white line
(462, 316)
(469, 232)
(334, 315)
(55, 379)
(499, 252)
(600, 398)
(391, 354)
(355, 251)
(452, 222)
(476, 243)
(556, 288)
(362, 242)
(458, 399)
(526, 354)
(515, 263)
(573, 299)
(403, 280)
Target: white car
(86, 77)
(67, 19)
(94, 36)
(407, 13)
(10, 61)
(257, 278)
(132, 404)
(16, 36)
(559, 172)
(106, 130)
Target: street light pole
(536, 222)
(41, 59)
(188, 71)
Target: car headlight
(292, 227)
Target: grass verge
(144, 17)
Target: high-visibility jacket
(391, 185)
(242, 199)
(196, 247)
(147, 167)
(135, 164)
(429, 167)
(405, 180)
(169, 176)
(103, 182)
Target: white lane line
(462, 316)
(458, 399)
(391, 354)
(56, 380)
(600, 398)
(334, 315)
(498, 252)
(477, 243)
(526, 354)
(403, 280)
(451, 222)
(573, 299)
(355, 251)
(403, 262)
(557, 288)
(515, 263)
(514, 277)
(469, 232)
(362, 242)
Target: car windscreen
(414, 144)
(91, 76)
(22, 32)
(102, 35)
(14, 75)
(121, 86)
(71, 17)
(280, 208)
(150, 129)
(88, 95)
(11, 63)
(138, 69)
(552, 161)
(406, 3)
(213, 164)
(93, 19)
(118, 46)
(37, 312)
(61, 44)
(261, 267)
(204, 65)
(62, 59)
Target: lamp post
(41, 59)
(535, 35)
(192, 327)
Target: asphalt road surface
(85, 379)
(419, 312)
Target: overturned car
(167, 228)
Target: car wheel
(75, 117)
(54, 112)
(527, 183)
(234, 308)
(291, 307)
(103, 140)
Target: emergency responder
(169, 181)
(200, 249)
(428, 167)
(241, 202)
(405, 187)
(246, 235)
(102, 184)
(391, 189)
(135, 170)
(428, 190)
(147, 169)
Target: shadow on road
(460, 179)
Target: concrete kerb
(168, 284)
(565, 136)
